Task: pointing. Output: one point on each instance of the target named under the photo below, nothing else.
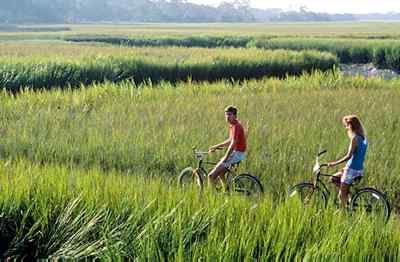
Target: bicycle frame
(317, 171)
(200, 157)
(317, 181)
(244, 183)
(320, 184)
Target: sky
(329, 6)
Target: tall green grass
(365, 30)
(151, 128)
(188, 41)
(383, 53)
(19, 70)
(58, 212)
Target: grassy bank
(69, 66)
(53, 212)
(383, 53)
(152, 129)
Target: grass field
(90, 172)
(340, 29)
(46, 66)
(60, 212)
(153, 129)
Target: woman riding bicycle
(355, 157)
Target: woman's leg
(344, 194)
(335, 179)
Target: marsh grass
(151, 129)
(43, 66)
(383, 53)
(56, 212)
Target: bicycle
(363, 199)
(244, 183)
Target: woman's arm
(350, 152)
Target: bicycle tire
(371, 200)
(306, 193)
(248, 185)
(187, 179)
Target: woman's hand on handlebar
(330, 164)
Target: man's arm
(230, 149)
(233, 141)
(220, 145)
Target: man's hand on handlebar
(212, 149)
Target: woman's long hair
(355, 125)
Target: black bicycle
(243, 183)
(361, 199)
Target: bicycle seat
(356, 181)
(235, 166)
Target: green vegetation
(152, 130)
(57, 212)
(184, 41)
(89, 171)
(359, 30)
(28, 68)
(383, 53)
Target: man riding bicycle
(236, 144)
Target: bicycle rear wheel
(309, 195)
(247, 185)
(371, 201)
(189, 177)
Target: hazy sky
(330, 6)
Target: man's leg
(222, 177)
(218, 172)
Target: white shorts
(349, 175)
(234, 158)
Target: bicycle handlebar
(322, 152)
(202, 152)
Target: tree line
(76, 11)
(81, 11)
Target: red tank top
(236, 132)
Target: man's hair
(231, 109)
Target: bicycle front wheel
(189, 177)
(309, 195)
(247, 185)
(371, 201)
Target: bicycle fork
(196, 175)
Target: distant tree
(93, 10)
(59, 11)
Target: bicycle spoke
(190, 178)
(308, 195)
(246, 185)
(372, 203)
(252, 187)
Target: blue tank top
(356, 162)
